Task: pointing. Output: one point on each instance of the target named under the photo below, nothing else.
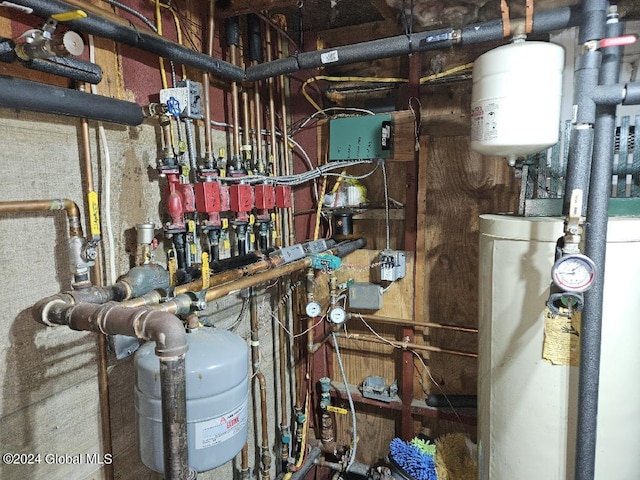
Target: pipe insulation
(27, 95)
(103, 24)
(544, 21)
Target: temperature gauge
(574, 273)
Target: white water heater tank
(217, 365)
(527, 405)
(515, 102)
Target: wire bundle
(415, 458)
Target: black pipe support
(136, 36)
(27, 95)
(68, 67)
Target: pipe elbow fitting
(165, 329)
(50, 310)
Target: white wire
(106, 206)
(351, 406)
(386, 202)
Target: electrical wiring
(352, 408)
(133, 12)
(295, 129)
(418, 356)
(386, 204)
(299, 178)
(423, 80)
(163, 73)
(106, 169)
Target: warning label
(484, 121)
(217, 430)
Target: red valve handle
(618, 41)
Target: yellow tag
(561, 338)
(193, 249)
(274, 234)
(252, 219)
(185, 170)
(182, 146)
(172, 266)
(252, 237)
(94, 213)
(341, 411)
(222, 153)
(273, 217)
(225, 223)
(206, 272)
(245, 148)
(191, 226)
(68, 16)
(226, 244)
(223, 172)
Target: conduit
(27, 95)
(171, 345)
(104, 24)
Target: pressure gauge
(337, 315)
(313, 309)
(574, 273)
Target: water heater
(527, 404)
(217, 393)
(516, 97)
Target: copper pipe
(258, 123)
(273, 146)
(405, 345)
(282, 342)
(285, 143)
(411, 323)
(246, 282)
(265, 455)
(235, 107)
(96, 274)
(244, 462)
(206, 86)
(69, 206)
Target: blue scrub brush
(414, 458)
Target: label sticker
(561, 338)
(217, 430)
(329, 57)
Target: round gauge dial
(313, 309)
(574, 273)
(337, 315)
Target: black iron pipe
(174, 418)
(68, 67)
(135, 36)
(595, 248)
(27, 95)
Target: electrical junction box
(365, 296)
(354, 138)
(183, 100)
(392, 265)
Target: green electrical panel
(354, 138)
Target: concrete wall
(48, 385)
